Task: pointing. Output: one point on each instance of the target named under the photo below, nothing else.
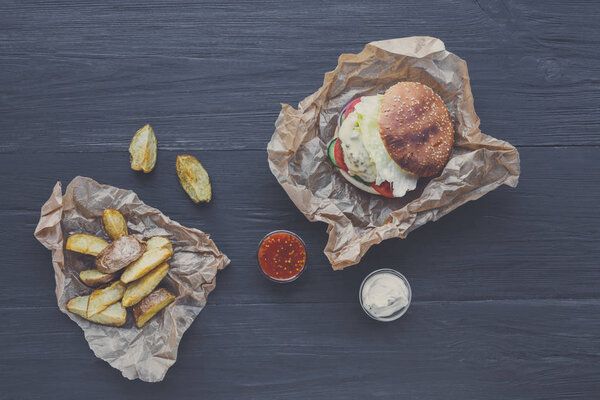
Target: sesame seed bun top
(416, 128)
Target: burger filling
(365, 155)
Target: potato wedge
(158, 241)
(193, 178)
(120, 254)
(150, 305)
(100, 299)
(142, 149)
(113, 315)
(86, 244)
(139, 289)
(146, 263)
(93, 277)
(114, 224)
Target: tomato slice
(385, 189)
(339, 155)
(351, 107)
(347, 110)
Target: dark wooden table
(506, 289)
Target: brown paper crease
(145, 353)
(357, 220)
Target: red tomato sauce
(282, 256)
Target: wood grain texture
(209, 75)
(454, 350)
(533, 242)
(506, 301)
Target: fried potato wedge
(114, 224)
(113, 315)
(120, 254)
(100, 299)
(139, 289)
(142, 149)
(193, 178)
(93, 277)
(86, 244)
(157, 242)
(150, 305)
(146, 263)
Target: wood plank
(211, 76)
(536, 241)
(483, 349)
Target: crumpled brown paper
(357, 220)
(145, 353)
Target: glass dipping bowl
(396, 314)
(272, 278)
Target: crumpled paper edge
(49, 233)
(293, 127)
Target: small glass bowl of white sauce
(385, 295)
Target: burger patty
(363, 151)
(367, 112)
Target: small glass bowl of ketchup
(281, 256)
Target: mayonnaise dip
(384, 294)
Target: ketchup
(282, 256)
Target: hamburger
(384, 143)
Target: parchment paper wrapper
(145, 353)
(357, 220)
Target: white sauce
(384, 294)
(355, 155)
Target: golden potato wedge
(100, 299)
(158, 241)
(93, 277)
(193, 178)
(120, 254)
(146, 263)
(142, 149)
(86, 244)
(113, 315)
(139, 289)
(114, 224)
(150, 305)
